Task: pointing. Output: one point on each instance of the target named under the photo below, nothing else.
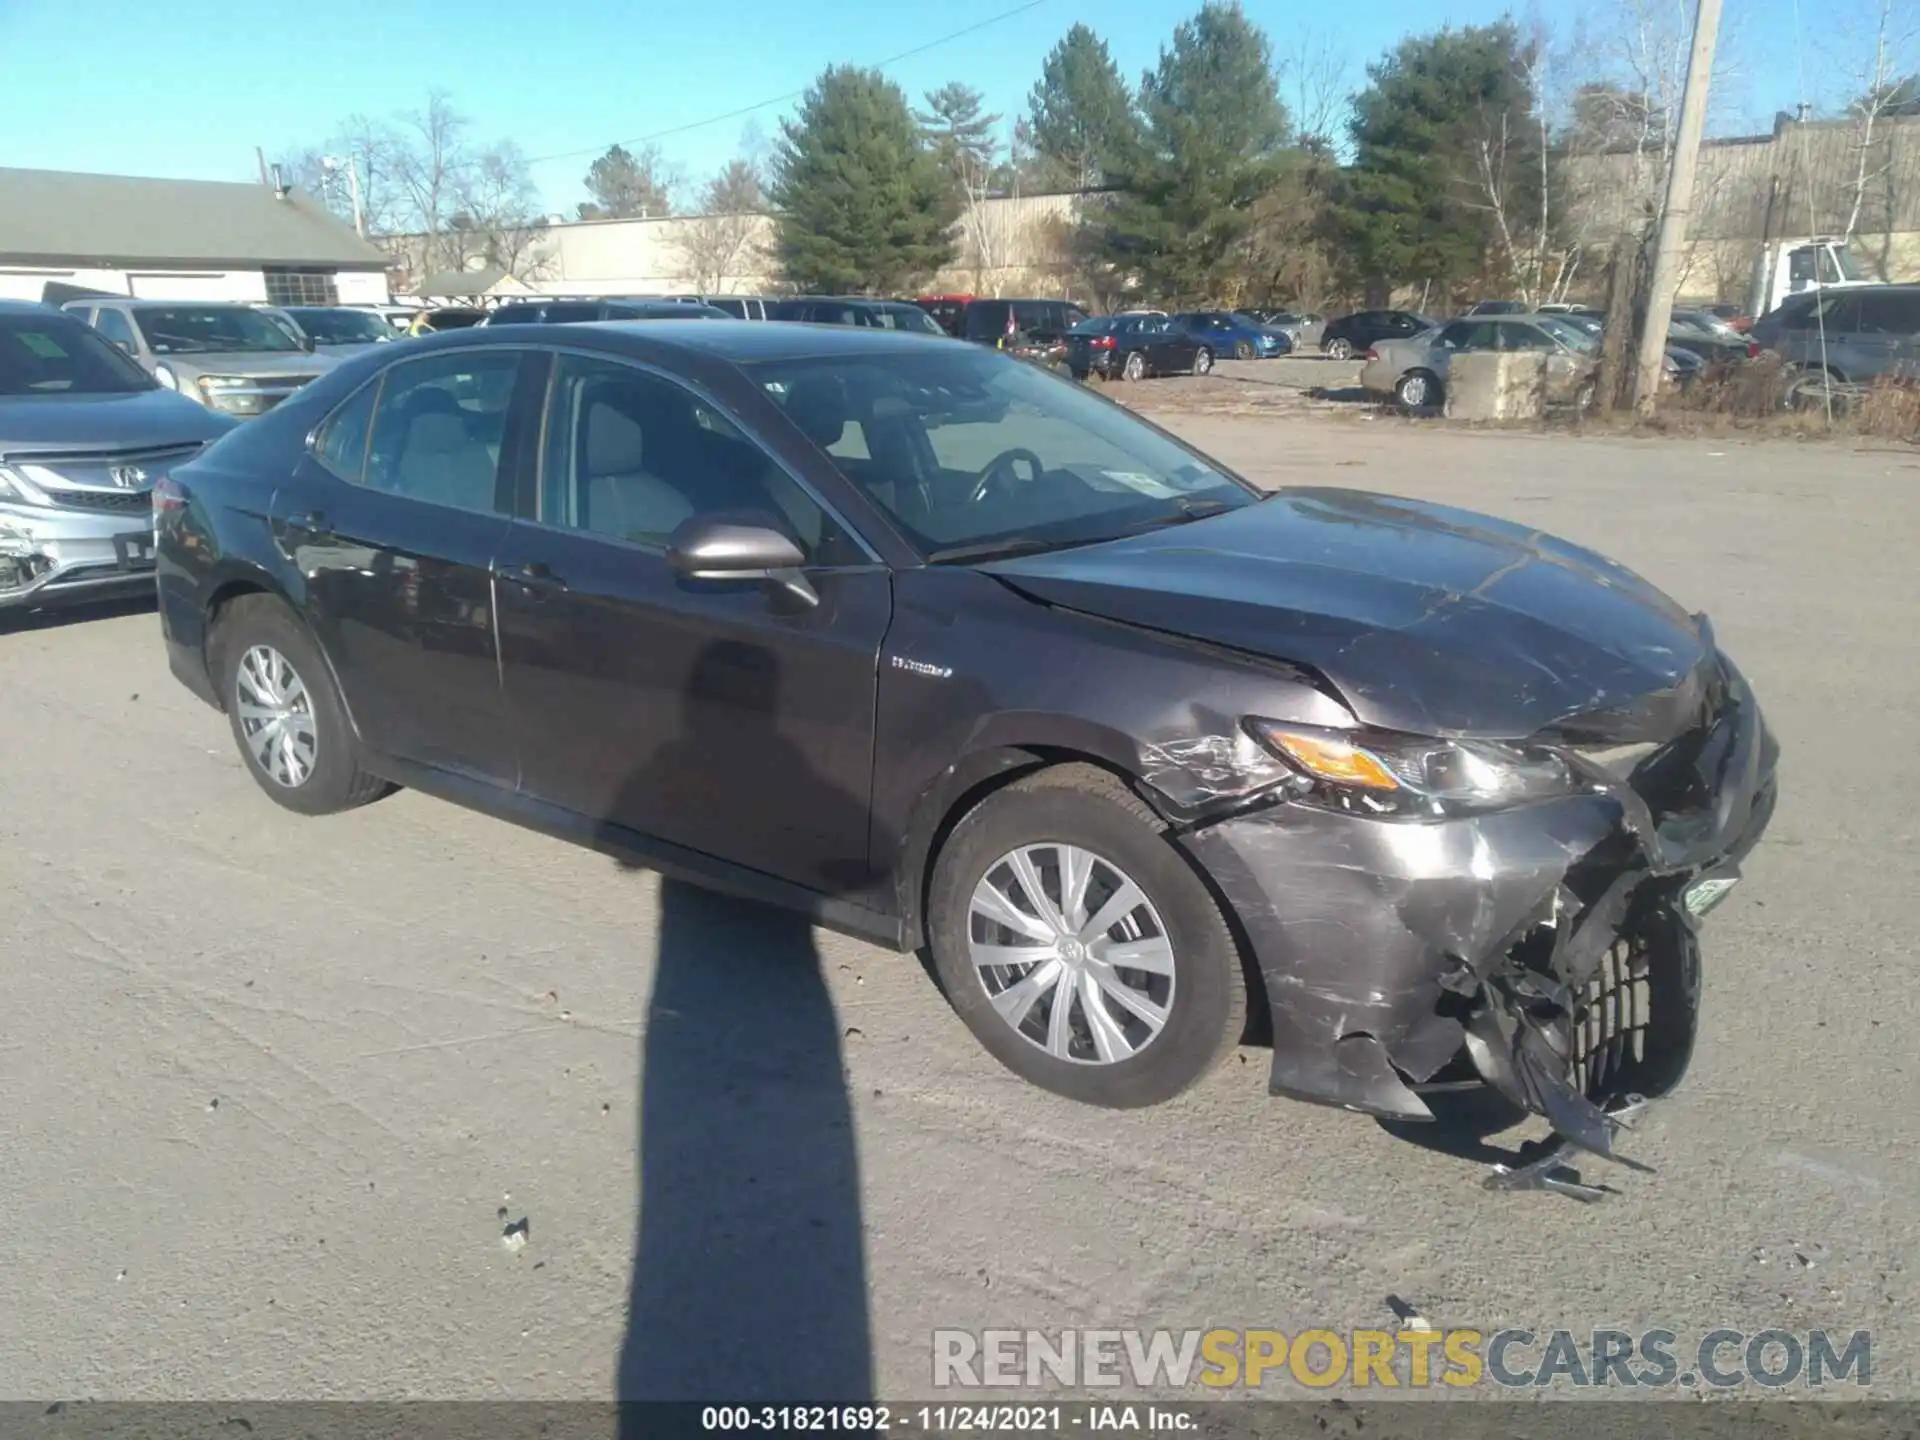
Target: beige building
(1805, 179)
(1004, 247)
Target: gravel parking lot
(411, 1103)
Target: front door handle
(533, 576)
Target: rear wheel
(1417, 390)
(1243, 350)
(285, 713)
(1338, 349)
(1135, 367)
(1202, 361)
(1080, 947)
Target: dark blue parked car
(1232, 336)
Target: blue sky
(190, 90)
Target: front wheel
(1243, 350)
(287, 717)
(1080, 947)
(1202, 361)
(1338, 349)
(1135, 367)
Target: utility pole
(1673, 219)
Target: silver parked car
(1414, 370)
(84, 435)
(338, 330)
(236, 359)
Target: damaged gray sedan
(952, 653)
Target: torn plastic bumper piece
(1555, 944)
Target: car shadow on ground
(61, 616)
(749, 1263)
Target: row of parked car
(1831, 342)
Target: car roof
(736, 341)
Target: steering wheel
(998, 472)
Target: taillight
(1101, 342)
(1373, 352)
(168, 495)
(1753, 350)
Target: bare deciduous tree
(1876, 77)
(724, 240)
(1316, 77)
(427, 193)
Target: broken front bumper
(48, 555)
(1555, 945)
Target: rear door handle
(313, 521)
(533, 576)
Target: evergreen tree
(625, 185)
(1081, 122)
(959, 136)
(1216, 136)
(862, 206)
(1446, 148)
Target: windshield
(53, 355)
(343, 327)
(1568, 334)
(1839, 264)
(208, 329)
(973, 454)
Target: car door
(393, 518)
(726, 717)
(1883, 334)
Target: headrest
(437, 432)
(614, 441)
(818, 405)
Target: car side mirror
(707, 549)
(306, 343)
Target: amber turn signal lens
(1329, 759)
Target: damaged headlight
(1385, 774)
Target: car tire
(262, 653)
(1200, 997)
(1338, 349)
(1418, 391)
(1243, 350)
(1203, 361)
(1135, 367)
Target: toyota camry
(955, 654)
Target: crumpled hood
(147, 419)
(1425, 618)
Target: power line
(746, 110)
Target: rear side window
(1894, 312)
(342, 443)
(514, 315)
(569, 314)
(735, 308)
(439, 426)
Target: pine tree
(1081, 121)
(1216, 136)
(863, 208)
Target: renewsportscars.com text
(1322, 1359)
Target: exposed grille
(1610, 1020)
(115, 502)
